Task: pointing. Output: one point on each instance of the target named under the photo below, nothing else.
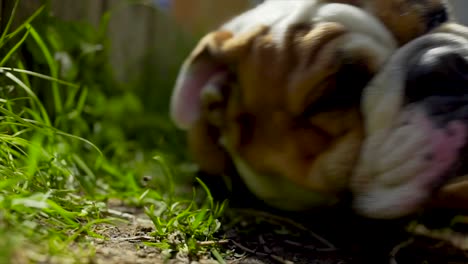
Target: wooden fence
(140, 33)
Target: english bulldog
(282, 92)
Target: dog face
(416, 118)
(277, 90)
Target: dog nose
(440, 71)
(437, 17)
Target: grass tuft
(67, 148)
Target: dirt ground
(257, 234)
(261, 237)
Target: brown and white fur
(416, 123)
(277, 91)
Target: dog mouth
(439, 83)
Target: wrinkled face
(416, 118)
(277, 91)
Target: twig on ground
(293, 243)
(281, 260)
(262, 242)
(119, 214)
(248, 250)
(135, 239)
(267, 216)
(261, 254)
(212, 243)
(237, 260)
(397, 249)
(128, 217)
(152, 239)
(310, 247)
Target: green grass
(67, 147)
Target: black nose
(441, 71)
(436, 17)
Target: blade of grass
(86, 228)
(38, 125)
(168, 173)
(39, 75)
(34, 154)
(9, 106)
(207, 191)
(17, 118)
(218, 256)
(199, 217)
(52, 67)
(89, 180)
(45, 116)
(24, 76)
(22, 26)
(14, 49)
(82, 100)
(68, 217)
(10, 21)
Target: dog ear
(207, 69)
(200, 95)
(196, 72)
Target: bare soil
(323, 237)
(257, 234)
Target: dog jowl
(277, 92)
(416, 119)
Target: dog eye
(436, 18)
(343, 90)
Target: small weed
(182, 225)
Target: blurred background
(460, 10)
(146, 36)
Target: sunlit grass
(65, 150)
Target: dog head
(276, 91)
(416, 122)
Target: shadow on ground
(338, 236)
(257, 234)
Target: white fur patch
(281, 14)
